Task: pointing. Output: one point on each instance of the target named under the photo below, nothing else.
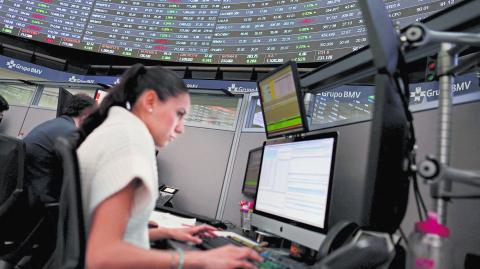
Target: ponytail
(133, 82)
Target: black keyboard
(271, 260)
(216, 242)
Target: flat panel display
(99, 95)
(296, 179)
(252, 172)
(206, 31)
(64, 97)
(282, 103)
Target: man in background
(41, 171)
(3, 107)
(40, 159)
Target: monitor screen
(282, 102)
(253, 170)
(205, 32)
(99, 95)
(295, 184)
(63, 98)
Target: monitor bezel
(246, 170)
(64, 97)
(300, 101)
(316, 136)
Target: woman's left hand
(192, 233)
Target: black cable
(422, 202)
(402, 86)
(417, 203)
(401, 79)
(419, 193)
(423, 214)
(418, 197)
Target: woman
(119, 176)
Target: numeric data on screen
(294, 180)
(205, 31)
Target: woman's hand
(192, 233)
(229, 257)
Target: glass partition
(334, 107)
(342, 105)
(49, 97)
(254, 119)
(17, 94)
(89, 92)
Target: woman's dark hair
(133, 82)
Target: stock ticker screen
(247, 32)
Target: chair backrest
(12, 158)
(71, 238)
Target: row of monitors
(291, 176)
(295, 173)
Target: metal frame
(249, 114)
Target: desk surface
(275, 258)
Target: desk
(273, 258)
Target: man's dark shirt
(40, 162)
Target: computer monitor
(252, 172)
(373, 158)
(99, 95)
(63, 98)
(392, 137)
(282, 102)
(294, 187)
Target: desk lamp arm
(451, 44)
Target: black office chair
(71, 238)
(18, 228)
(12, 158)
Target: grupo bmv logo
(418, 95)
(13, 65)
(79, 80)
(10, 64)
(232, 87)
(239, 89)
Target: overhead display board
(225, 32)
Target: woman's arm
(191, 234)
(107, 249)
(105, 245)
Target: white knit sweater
(115, 153)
